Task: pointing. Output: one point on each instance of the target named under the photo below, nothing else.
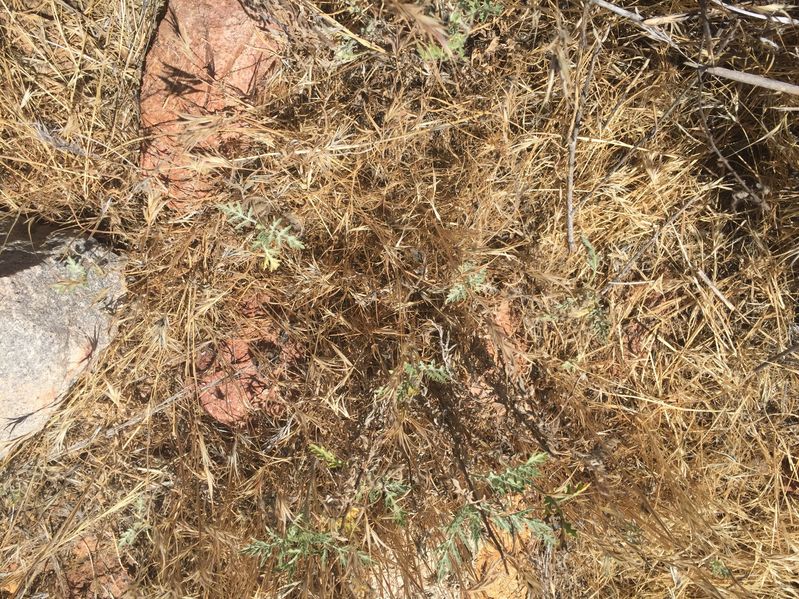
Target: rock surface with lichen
(58, 292)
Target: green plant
(588, 306)
(301, 543)
(480, 10)
(330, 459)
(138, 526)
(433, 52)
(633, 534)
(465, 532)
(427, 370)
(516, 479)
(76, 277)
(600, 322)
(719, 569)
(469, 281)
(466, 529)
(355, 9)
(553, 510)
(458, 24)
(392, 492)
(593, 257)
(346, 52)
(515, 522)
(268, 241)
(413, 377)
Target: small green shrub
(301, 543)
(137, 526)
(465, 532)
(516, 479)
(719, 569)
(76, 277)
(458, 25)
(480, 11)
(413, 377)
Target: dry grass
(635, 361)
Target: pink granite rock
(208, 57)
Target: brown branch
(776, 358)
(652, 32)
(739, 76)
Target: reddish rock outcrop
(242, 376)
(207, 59)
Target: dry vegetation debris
(409, 149)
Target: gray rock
(58, 293)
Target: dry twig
(575, 131)
(655, 33)
(783, 20)
(749, 79)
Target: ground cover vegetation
(539, 263)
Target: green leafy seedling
(392, 492)
(469, 281)
(76, 277)
(269, 241)
(516, 479)
(300, 543)
(593, 257)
